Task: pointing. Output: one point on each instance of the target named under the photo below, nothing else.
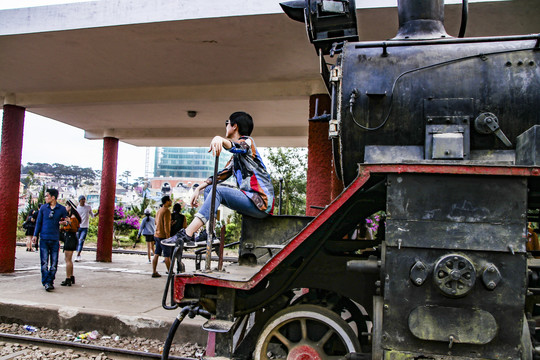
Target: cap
(82, 198)
(147, 212)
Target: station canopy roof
(132, 69)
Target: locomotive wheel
(306, 332)
(346, 308)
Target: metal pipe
(281, 191)
(211, 222)
(464, 18)
(371, 266)
(421, 19)
(411, 10)
(397, 43)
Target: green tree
(126, 175)
(41, 196)
(31, 205)
(28, 180)
(73, 174)
(139, 210)
(289, 164)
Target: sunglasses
(227, 122)
(51, 214)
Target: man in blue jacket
(48, 227)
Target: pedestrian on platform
(163, 230)
(85, 211)
(254, 195)
(148, 228)
(48, 228)
(70, 227)
(30, 225)
(178, 221)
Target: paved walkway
(119, 297)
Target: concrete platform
(113, 298)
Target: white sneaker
(78, 258)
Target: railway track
(74, 346)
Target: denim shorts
(165, 250)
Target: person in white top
(86, 212)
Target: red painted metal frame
(365, 172)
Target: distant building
(186, 162)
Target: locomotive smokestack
(421, 19)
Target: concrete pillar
(319, 174)
(10, 173)
(106, 201)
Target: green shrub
(133, 235)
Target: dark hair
(244, 121)
(177, 208)
(73, 211)
(165, 199)
(53, 193)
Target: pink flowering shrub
(374, 221)
(123, 223)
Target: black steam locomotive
(441, 137)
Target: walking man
(48, 228)
(163, 230)
(85, 211)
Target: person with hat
(70, 225)
(85, 211)
(147, 228)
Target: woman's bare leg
(69, 264)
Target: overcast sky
(49, 141)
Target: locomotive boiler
(438, 135)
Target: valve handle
(488, 123)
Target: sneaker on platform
(175, 240)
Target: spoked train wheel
(306, 332)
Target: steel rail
(97, 348)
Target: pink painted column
(10, 173)
(106, 201)
(319, 174)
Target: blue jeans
(233, 198)
(48, 253)
(81, 235)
